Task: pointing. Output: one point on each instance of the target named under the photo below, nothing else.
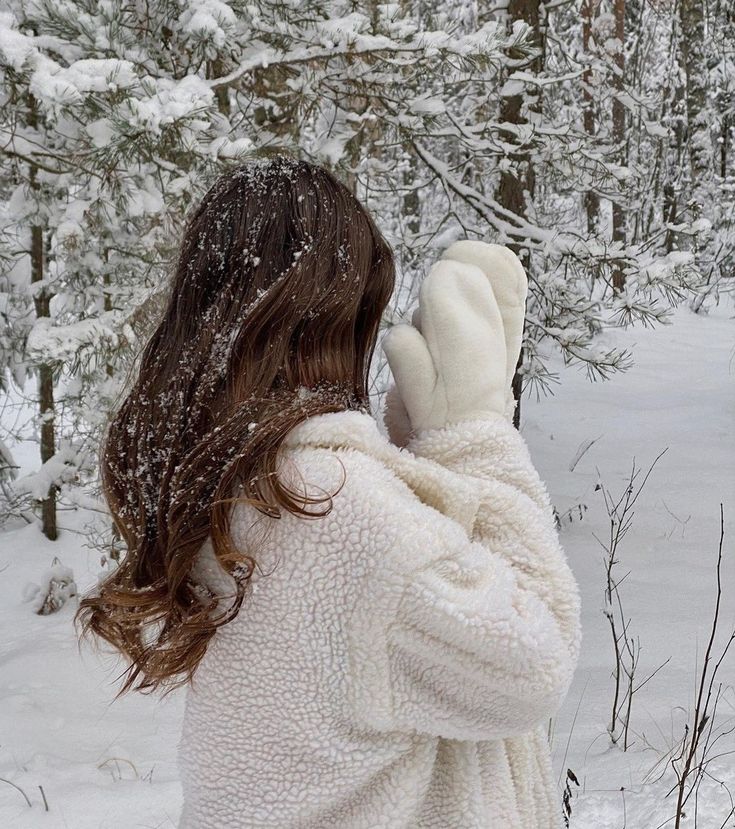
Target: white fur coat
(396, 662)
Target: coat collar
(450, 492)
(346, 427)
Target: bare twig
(690, 764)
(626, 647)
(3, 780)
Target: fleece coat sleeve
(468, 636)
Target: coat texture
(395, 663)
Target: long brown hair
(272, 316)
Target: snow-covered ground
(111, 764)
(679, 396)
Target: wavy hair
(272, 316)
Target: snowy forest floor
(111, 765)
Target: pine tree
(447, 120)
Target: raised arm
(515, 513)
(450, 636)
(518, 603)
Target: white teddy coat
(395, 663)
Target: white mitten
(395, 416)
(454, 368)
(396, 419)
(510, 286)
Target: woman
(374, 630)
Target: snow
(101, 132)
(333, 148)
(110, 764)
(63, 342)
(343, 30)
(678, 396)
(15, 48)
(224, 147)
(172, 100)
(61, 466)
(144, 200)
(209, 19)
(654, 128)
(66, 85)
(55, 588)
(427, 105)
(511, 87)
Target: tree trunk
(701, 151)
(725, 144)
(42, 301)
(363, 143)
(670, 147)
(217, 69)
(518, 184)
(278, 112)
(590, 9)
(725, 21)
(411, 212)
(669, 214)
(618, 117)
